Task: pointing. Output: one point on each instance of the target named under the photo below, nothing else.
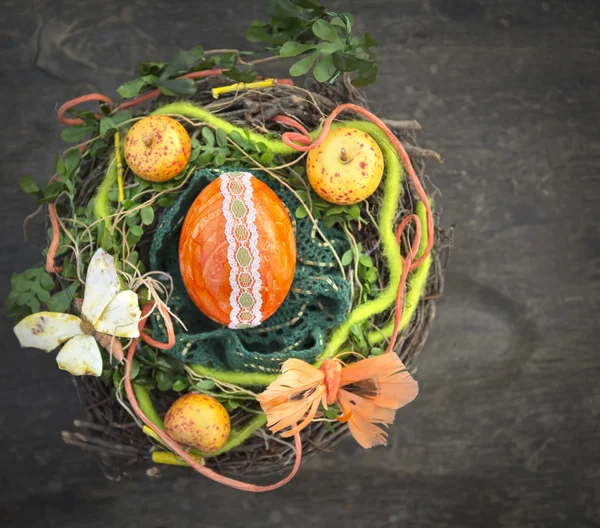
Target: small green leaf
(336, 209)
(122, 116)
(135, 368)
(179, 385)
(325, 69)
(208, 136)
(366, 75)
(221, 138)
(106, 125)
(76, 133)
(376, 351)
(241, 73)
(72, 160)
(328, 48)
(301, 212)
(164, 381)
(181, 62)
(34, 305)
(347, 258)
(29, 186)
(303, 65)
(136, 231)
(219, 159)
(257, 32)
(147, 215)
(292, 49)
(205, 385)
(176, 87)
(366, 261)
(46, 281)
(197, 51)
(167, 201)
(131, 88)
(325, 31)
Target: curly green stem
(145, 402)
(196, 112)
(391, 250)
(241, 379)
(415, 286)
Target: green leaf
(197, 51)
(179, 385)
(135, 368)
(34, 305)
(325, 31)
(76, 133)
(29, 186)
(147, 215)
(366, 261)
(167, 201)
(176, 87)
(327, 48)
(347, 258)
(354, 211)
(136, 231)
(303, 65)
(151, 68)
(325, 69)
(72, 160)
(181, 62)
(257, 33)
(122, 116)
(292, 49)
(376, 351)
(205, 385)
(241, 73)
(366, 75)
(221, 138)
(131, 88)
(301, 212)
(219, 159)
(208, 136)
(46, 281)
(336, 209)
(164, 382)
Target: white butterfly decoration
(105, 310)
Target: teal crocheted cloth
(318, 300)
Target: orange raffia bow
(368, 392)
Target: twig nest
(346, 168)
(157, 148)
(237, 251)
(198, 421)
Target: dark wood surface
(505, 431)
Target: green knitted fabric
(319, 298)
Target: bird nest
(107, 426)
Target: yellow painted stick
(119, 161)
(164, 457)
(242, 86)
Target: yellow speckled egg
(198, 421)
(346, 168)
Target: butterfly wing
(121, 317)
(383, 380)
(101, 285)
(292, 400)
(371, 391)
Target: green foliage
(31, 292)
(325, 37)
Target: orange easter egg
(237, 251)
